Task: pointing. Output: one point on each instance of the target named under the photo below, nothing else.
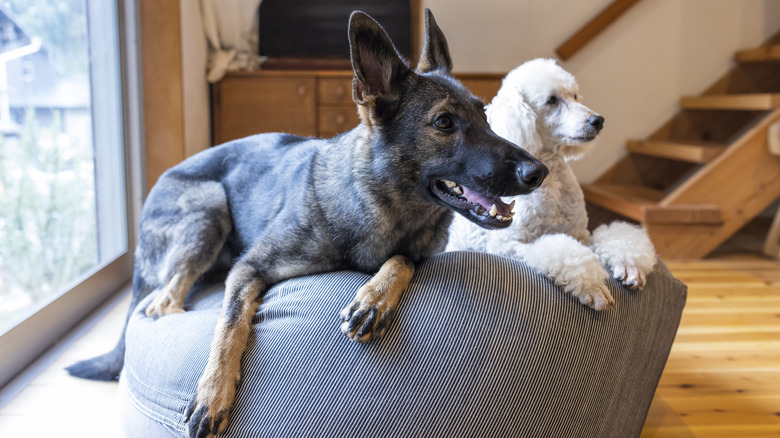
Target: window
(67, 120)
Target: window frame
(22, 344)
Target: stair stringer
(743, 181)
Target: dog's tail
(108, 366)
(104, 367)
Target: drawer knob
(301, 90)
(340, 119)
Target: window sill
(45, 401)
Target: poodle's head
(538, 107)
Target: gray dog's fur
(275, 206)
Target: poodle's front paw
(629, 276)
(596, 296)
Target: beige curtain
(231, 30)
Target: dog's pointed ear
(377, 65)
(435, 52)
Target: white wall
(633, 73)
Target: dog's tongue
(502, 208)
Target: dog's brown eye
(552, 100)
(443, 122)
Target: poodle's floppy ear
(377, 65)
(512, 118)
(435, 52)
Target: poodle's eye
(576, 97)
(552, 100)
(443, 122)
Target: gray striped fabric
(482, 346)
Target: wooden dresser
(307, 102)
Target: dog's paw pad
(161, 307)
(362, 323)
(597, 297)
(629, 276)
(207, 413)
(619, 272)
(203, 423)
(635, 281)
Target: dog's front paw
(597, 297)
(629, 276)
(362, 320)
(207, 415)
(163, 305)
(370, 313)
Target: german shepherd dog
(276, 206)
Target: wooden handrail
(594, 27)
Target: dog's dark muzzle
(531, 175)
(476, 193)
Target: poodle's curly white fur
(538, 108)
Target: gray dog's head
(434, 132)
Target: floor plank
(722, 378)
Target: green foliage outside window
(48, 232)
(47, 214)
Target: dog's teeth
(457, 191)
(512, 206)
(493, 210)
(504, 218)
(449, 184)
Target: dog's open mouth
(485, 210)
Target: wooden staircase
(708, 171)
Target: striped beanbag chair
(481, 346)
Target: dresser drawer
(337, 119)
(484, 88)
(334, 90)
(244, 106)
(307, 103)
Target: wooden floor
(722, 378)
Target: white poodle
(538, 109)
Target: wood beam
(162, 86)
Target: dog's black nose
(596, 122)
(533, 175)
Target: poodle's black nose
(596, 122)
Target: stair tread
(644, 204)
(694, 152)
(628, 193)
(753, 101)
(629, 201)
(764, 53)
